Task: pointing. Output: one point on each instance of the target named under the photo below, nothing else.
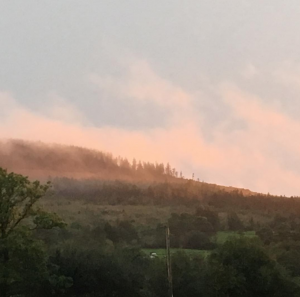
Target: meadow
(161, 253)
(220, 238)
(223, 236)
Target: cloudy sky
(213, 87)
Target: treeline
(105, 260)
(39, 160)
(239, 268)
(266, 204)
(196, 230)
(179, 192)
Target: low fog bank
(42, 161)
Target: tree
(168, 170)
(211, 216)
(290, 259)
(95, 273)
(188, 272)
(197, 240)
(134, 165)
(266, 235)
(241, 267)
(18, 196)
(234, 222)
(26, 269)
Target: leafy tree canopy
(21, 256)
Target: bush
(197, 240)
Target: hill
(40, 160)
(43, 161)
(113, 213)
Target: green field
(220, 238)
(223, 236)
(162, 252)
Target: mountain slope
(41, 161)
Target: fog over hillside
(40, 160)
(43, 161)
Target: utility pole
(169, 266)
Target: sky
(213, 87)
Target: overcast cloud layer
(213, 87)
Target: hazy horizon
(211, 87)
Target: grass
(220, 238)
(223, 236)
(162, 252)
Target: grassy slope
(162, 252)
(221, 237)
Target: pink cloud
(244, 157)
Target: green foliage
(25, 270)
(198, 240)
(266, 234)
(188, 275)
(98, 254)
(223, 236)
(123, 231)
(17, 197)
(22, 258)
(234, 222)
(242, 268)
(290, 259)
(115, 274)
(211, 216)
(45, 220)
(189, 230)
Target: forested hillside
(43, 161)
(99, 229)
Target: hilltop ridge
(39, 160)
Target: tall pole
(169, 266)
